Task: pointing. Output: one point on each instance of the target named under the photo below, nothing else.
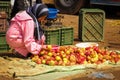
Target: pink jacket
(20, 35)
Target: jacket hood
(21, 16)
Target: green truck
(73, 6)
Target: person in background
(32, 2)
(20, 5)
(25, 34)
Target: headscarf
(37, 11)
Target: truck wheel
(69, 6)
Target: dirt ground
(111, 30)
(111, 40)
(111, 74)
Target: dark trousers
(15, 55)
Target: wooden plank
(48, 1)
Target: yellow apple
(49, 47)
(50, 54)
(67, 52)
(51, 63)
(43, 61)
(58, 58)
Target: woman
(25, 34)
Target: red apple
(38, 61)
(60, 62)
(63, 55)
(87, 53)
(72, 58)
(42, 52)
(46, 57)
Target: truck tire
(69, 6)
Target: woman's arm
(29, 41)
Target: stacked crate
(3, 45)
(52, 36)
(91, 25)
(66, 36)
(59, 36)
(6, 7)
(3, 22)
(3, 28)
(5, 10)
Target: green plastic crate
(66, 36)
(52, 36)
(4, 48)
(2, 38)
(3, 45)
(5, 6)
(91, 25)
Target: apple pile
(69, 55)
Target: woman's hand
(43, 38)
(44, 46)
(42, 41)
